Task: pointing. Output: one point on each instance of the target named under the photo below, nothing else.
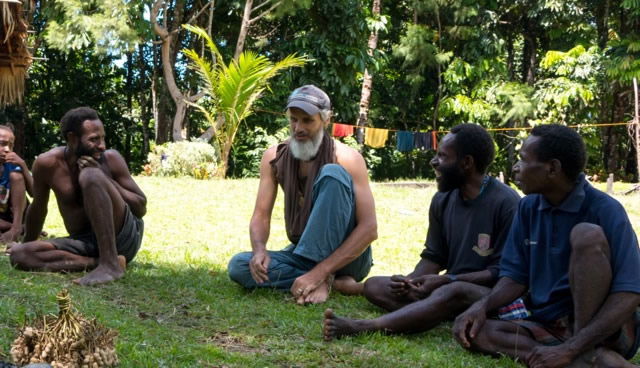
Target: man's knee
(586, 237)
(16, 179)
(374, 286)
(238, 267)
(333, 173)
(91, 176)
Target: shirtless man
(99, 202)
(15, 180)
(329, 209)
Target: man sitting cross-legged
(329, 211)
(468, 221)
(15, 181)
(99, 202)
(573, 252)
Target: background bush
(186, 158)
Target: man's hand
(307, 283)
(467, 325)
(550, 357)
(258, 266)
(10, 235)
(399, 285)
(87, 161)
(423, 286)
(13, 158)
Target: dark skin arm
(422, 286)
(13, 158)
(467, 325)
(122, 180)
(401, 285)
(38, 209)
(616, 309)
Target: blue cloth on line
(422, 140)
(404, 141)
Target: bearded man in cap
(329, 209)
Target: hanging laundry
(422, 141)
(342, 130)
(375, 138)
(434, 140)
(404, 141)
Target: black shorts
(127, 241)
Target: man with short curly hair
(573, 256)
(468, 221)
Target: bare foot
(347, 285)
(317, 296)
(101, 275)
(335, 327)
(10, 235)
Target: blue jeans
(332, 218)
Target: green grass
(177, 308)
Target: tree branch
(257, 18)
(261, 5)
(195, 16)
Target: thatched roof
(14, 55)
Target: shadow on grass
(177, 315)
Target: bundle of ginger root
(65, 341)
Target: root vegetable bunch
(66, 341)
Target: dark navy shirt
(468, 235)
(537, 251)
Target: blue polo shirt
(537, 250)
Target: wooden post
(610, 184)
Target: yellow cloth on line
(376, 138)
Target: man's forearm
(484, 277)
(259, 234)
(505, 292)
(136, 202)
(352, 247)
(615, 311)
(34, 222)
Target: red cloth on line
(434, 140)
(342, 130)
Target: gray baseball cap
(310, 99)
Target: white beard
(305, 151)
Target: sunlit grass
(177, 308)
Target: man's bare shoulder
(270, 153)
(51, 158)
(347, 156)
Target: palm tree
(231, 90)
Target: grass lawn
(177, 308)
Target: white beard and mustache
(307, 150)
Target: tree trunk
(367, 82)
(169, 45)
(529, 53)
(244, 29)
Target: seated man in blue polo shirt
(572, 252)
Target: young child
(15, 180)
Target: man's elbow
(371, 231)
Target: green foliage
(195, 158)
(248, 149)
(77, 24)
(231, 90)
